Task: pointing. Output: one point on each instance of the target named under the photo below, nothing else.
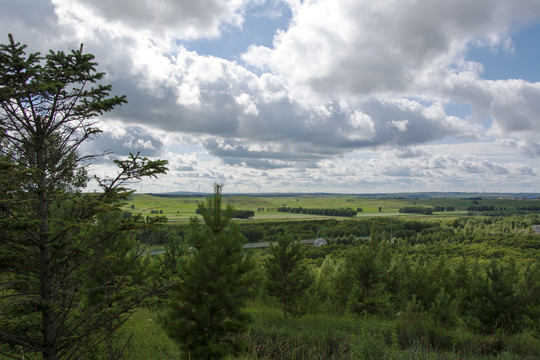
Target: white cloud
(183, 19)
(346, 77)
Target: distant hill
(404, 195)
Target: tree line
(238, 214)
(314, 211)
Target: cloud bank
(357, 90)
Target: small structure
(320, 242)
(536, 229)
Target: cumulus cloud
(344, 77)
(122, 140)
(410, 153)
(362, 47)
(185, 19)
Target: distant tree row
(425, 210)
(529, 208)
(243, 214)
(348, 212)
(238, 214)
(442, 208)
(417, 210)
(481, 208)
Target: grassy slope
(317, 336)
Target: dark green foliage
(366, 271)
(162, 235)
(481, 208)
(175, 249)
(418, 210)
(443, 310)
(253, 233)
(287, 276)
(70, 269)
(320, 336)
(495, 303)
(207, 300)
(529, 291)
(243, 214)
(415, 328)
(375, 340)
(327, 212)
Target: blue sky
(350, 96)
(519, 63)
(259, 26)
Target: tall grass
(271, 336)
(319, 336)
(142, 338)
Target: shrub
(415, 328)
(375, 340)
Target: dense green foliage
(212, 286)
(287, 276)
(465, 286)
(238, 214)
(243, 214)
(70, 269)
(418, 210)
(328, 212)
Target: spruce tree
(206, 308)
(66, 257)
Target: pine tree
(366, 271)
(206, 305)
(496, 303)
(287, 276)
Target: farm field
(181, 208)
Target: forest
(458, 287)
(79, 278)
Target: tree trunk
(47, 313)
(49, 350)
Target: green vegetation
(400, 287)
(446, 279)
(265, 208)
(327, 212)
(418, 210)
(207, 299)
(70, 269)
(287, 276)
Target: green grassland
(265, 207)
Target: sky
(343, 96)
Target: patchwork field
(181, 208)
